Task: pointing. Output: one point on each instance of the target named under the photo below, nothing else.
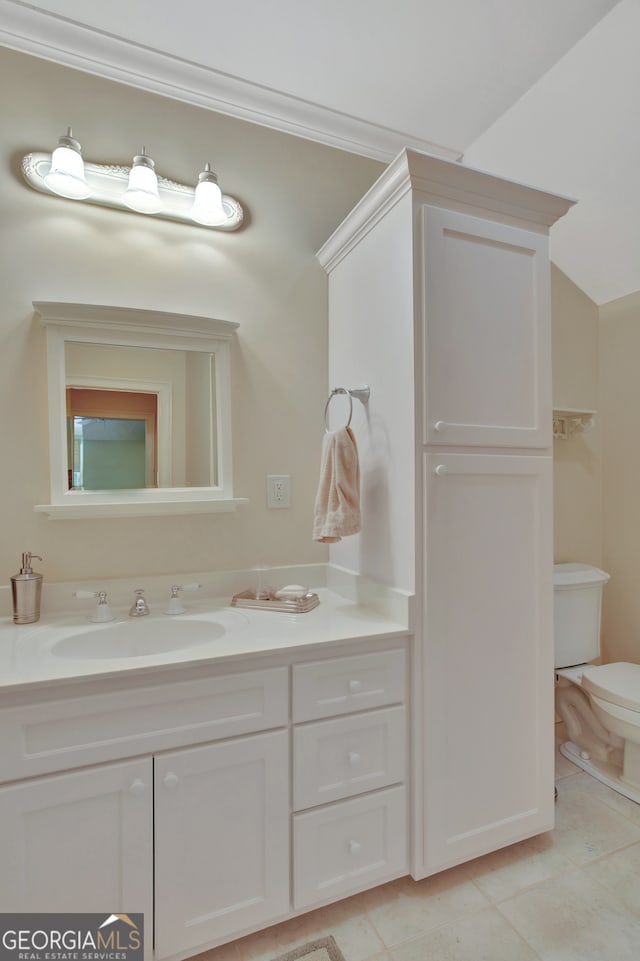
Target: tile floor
(571, 895)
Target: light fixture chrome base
(109, 182)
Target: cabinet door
(487, 333)
(81, 841)
(222, 840)
(488, 655)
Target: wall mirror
(139, 412)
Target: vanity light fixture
(137, 188)
(207, 207)
(142, 191)
(66, 174)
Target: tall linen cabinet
(439, 301)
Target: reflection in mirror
(174, 392)
(139, 412)
(111, 439)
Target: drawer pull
(354, 686)
(354, 847)
(171, 779)
(137, 786)
(354, 758)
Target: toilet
(599, 704)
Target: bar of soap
(292, 591)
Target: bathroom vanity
(218, 788)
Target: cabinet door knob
(354, 686)
(171, 779)
(136, 786)
(439, 425)
(354, 847)
(440, 470)
(354, 758)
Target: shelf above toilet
(568, 422)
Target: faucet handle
(139, 606)
(175, 604)
(102, 611)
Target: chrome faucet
(139, 607)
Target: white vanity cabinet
(181, 800)
(439, 301)
(208, 820)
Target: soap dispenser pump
(26, 588)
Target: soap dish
(271, 601)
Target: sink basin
(140, 638)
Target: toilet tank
(577, 600)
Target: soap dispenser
(26, 588)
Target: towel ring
(362, 393)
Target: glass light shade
(66, 176)
(142, 191)
(207, 206)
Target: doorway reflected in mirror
(111, 439)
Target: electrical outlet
(278, 490)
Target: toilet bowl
(599, 704)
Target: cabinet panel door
(222, 840)
(80, 842)
(487, 337)
(488, 654)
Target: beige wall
(577, 460)
(265, 277)
(620, 393)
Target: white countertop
(28, 657)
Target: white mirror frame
(133, 327)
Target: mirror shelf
(112, 358)
(189, 500)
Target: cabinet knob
(439, 425)
(136, 786)
(440, 470)
(354, 686)
(354, 847)
(354, 758)
(170, 779)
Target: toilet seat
(617, 683)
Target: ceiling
(542, 91)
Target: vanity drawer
(347, 756)
(56, 735)
(342, 685)
(349, 846)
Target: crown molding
(443, 183)
(72, 44)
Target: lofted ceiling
(541, 91)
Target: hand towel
(337, 507)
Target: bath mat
(325, 949)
